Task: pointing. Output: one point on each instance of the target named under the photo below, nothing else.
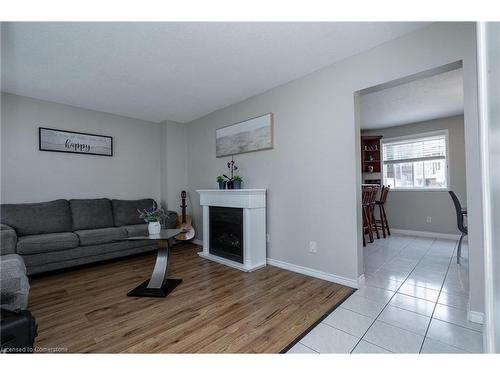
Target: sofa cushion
(100, 236)
(40, 243)
(136, 230)
(91, 213)
(34, 260)
(85, 259)
(125, 212)
(37, 218)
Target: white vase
(154, 227)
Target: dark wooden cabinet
(370, 154)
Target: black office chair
(461, 212)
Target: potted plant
(222, 182)
(237, 180)
(231, 165)
(152, 216)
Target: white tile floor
(413, 300)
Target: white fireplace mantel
(253, 203)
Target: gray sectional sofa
(65, 233)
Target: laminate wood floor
(216, 309)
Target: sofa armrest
(15, 283)
(8, 240)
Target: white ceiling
(174, 71)
(438, 96)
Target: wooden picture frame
(255, 134)
(56, 140)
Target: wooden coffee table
(158, 285)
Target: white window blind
(416, 163)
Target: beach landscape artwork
(246, 136)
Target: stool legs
(367, 224)
(382, 221)
(374, 221)
(386, 222)
(459, 249)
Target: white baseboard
(314, 273)
(417, 233)
(361, 279)
(197, 241)
(230, 263)
(475, 316)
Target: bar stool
(461, 213)
(382, 223)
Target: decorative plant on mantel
(152, 216)
(221, 180)
(230, 180)
(237, 180)
(231, 165)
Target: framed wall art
(247, 136)
(74, 142)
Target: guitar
(184, 222)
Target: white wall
(30, 175)
(312, 174)
(174, 164)
(409, 209)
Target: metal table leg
(158, 285)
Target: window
(418, 162)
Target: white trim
(490, 329)
(420, 189)
(232, 191)
(418, 233)
(352, 283)
(230, 263)
(416, 137)
(414, 160)
(402, 138)
(475, 317)
(361, 279)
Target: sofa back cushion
(125, 211)
(91, 213)
(100, 236)
(37, 218)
